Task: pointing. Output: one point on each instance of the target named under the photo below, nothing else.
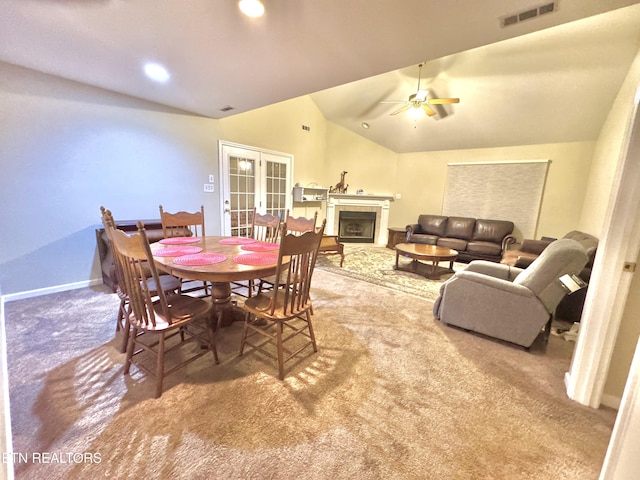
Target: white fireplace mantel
(377, 203)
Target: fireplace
(377, 204)
(356, 227)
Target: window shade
(499, 191)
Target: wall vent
(226, 108)
(509, 20)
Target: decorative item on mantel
(340, 187)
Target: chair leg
(245, 328)
(160, 367)
(279, 331)
(126, 332)
(311, 334)
(212, 340)
(122, 324)
(121, 315)
(130, 347)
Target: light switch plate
(211, 179)
(208, 187)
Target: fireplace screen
(357, 227)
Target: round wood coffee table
(428, 253)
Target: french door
(250, 178)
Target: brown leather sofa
(474, 239)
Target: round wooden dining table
(216, 259)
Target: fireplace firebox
(356, 227)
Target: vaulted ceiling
(544, 80)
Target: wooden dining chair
(299, 225)
(160, 324)
(294, 226)
(264, 228)
(182, 224)
(168, 283)
(286, 308)
(185, 224)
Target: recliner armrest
(496, 283)
(492, 269)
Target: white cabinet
(307, 194)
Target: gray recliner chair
(507, 302)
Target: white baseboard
(54, 289)
(611, 401)
(6, 443)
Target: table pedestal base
(225, 311)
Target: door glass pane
(242, 194)
(276, 194)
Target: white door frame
(621, 460)
(609, 284)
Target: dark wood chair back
(299, 225)
(265, 227)
(182, 224)
(135, 256)
(296, 261)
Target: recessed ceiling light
(251, 8)
(365, 125)
(156, 72)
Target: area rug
(390, 394)
(375, 264)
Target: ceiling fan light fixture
(416, 112)
(251, 8)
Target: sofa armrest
(534, 246)
(506, 241)
(413, 228)
(492, 269)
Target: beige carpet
(391, 394)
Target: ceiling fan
(418, 102)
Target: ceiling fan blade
(400, 110)
(441, 101)
(428, 110)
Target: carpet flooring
(391, 394)
(375, 264)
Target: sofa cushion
(491, 230)
(454, 243)
(460, 227)
(432, 224)
(423, 238)
(484, 248)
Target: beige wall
(370, 167)
(421, 179)
(321, 154)
(279, 127)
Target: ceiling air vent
(528, 14)
(226, 109)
